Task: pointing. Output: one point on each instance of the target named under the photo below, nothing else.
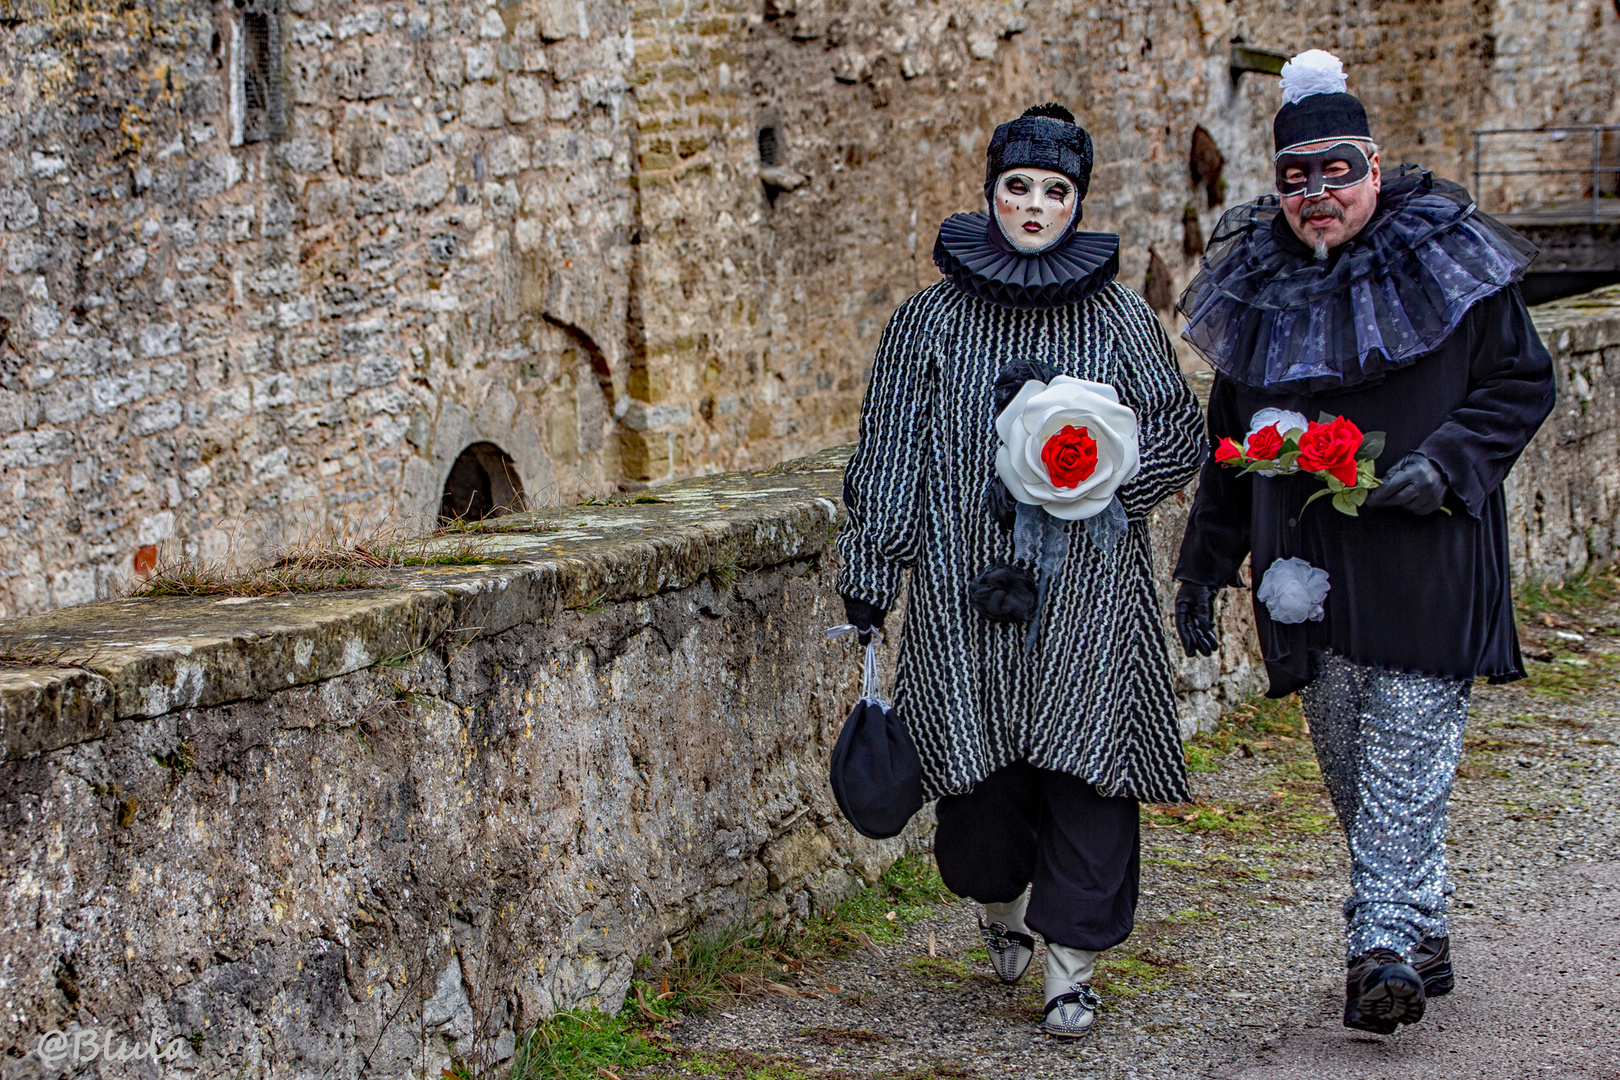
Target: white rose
(1286, 421)
(1293, 591)
(1040, 411)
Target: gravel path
(1235, 969)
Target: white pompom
(1312, 72)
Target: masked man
(1025, 415)
(1391, 301)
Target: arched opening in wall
(482, 483)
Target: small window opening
(482, 483)
(770, 145)
(258, 110)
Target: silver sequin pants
(1388, 744)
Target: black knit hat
(1319, 118)
(1045, 137)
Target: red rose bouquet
(1333, 449)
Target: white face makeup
(1034, 207)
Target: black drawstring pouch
(876, 774)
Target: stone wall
(355, 833)
(1564, 494)
(270, 266)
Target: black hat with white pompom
(1316, 106)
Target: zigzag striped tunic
(1094, 698)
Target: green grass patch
(1189, 915)
(746, 961)
(739, 962)
(1596, 588)
(1201, 758)
(710, 970)
(941, 972)
(581, 1045)
(911, 890)
(1128, 975)
(1274, 732)
(1569, 675)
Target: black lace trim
(1265, 312)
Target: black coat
(1427, 594)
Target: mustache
(1322, 211)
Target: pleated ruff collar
(972, 252)
(1265, 312)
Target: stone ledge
(101, 663)
(1579, 324)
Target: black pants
(1029, 826)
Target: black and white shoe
(1010, 951)
(1071, 1014)
(1071, 1006)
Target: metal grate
(263, 113)
(770, 145)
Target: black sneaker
(1010, 951)
(1431, 959)
(1381, 992)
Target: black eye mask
(1315, 166)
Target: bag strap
(870, 689)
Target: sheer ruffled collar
(1265, 312)
(972, 252)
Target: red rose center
(1070, 456)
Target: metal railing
(1596, 171)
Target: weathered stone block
(386, 71)
(791, 857)
(428, 187)
(306, 153)
(559, 19)
(529, 100)
(161, 416)
(483, 105)
(36, 448)
(481, 62)
(404, 151)
(377, 198)
(447, 63)
(47, 708)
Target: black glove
(1195, 619)
(1415, 484)
(864, 617)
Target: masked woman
(1025, 415)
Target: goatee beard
(1320, 249)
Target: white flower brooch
(1066, 446)
(1293, 591)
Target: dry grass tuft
(328, 561)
